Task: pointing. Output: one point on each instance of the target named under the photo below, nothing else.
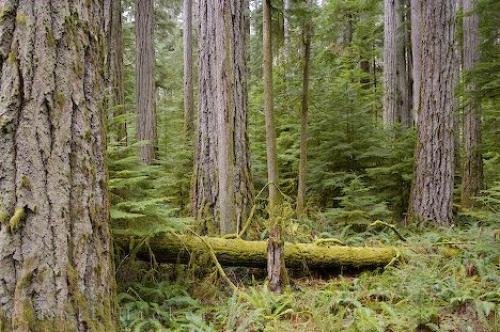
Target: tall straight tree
(396, 84)
(473, 162)
(145, 80)
(56, 270)
(286, 25)
(416, 33)
(223, 159)
(432, 187)
(115, 67)
(304, 110)
(187, 38)
(275, 263)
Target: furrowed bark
(432, 188)
(187, 35)
(56, 271)
(171, 248)
(473, 162)
(275, 263)
(223, 119)
(145, 81)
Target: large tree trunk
(115, 68)
(473, 162)
(275, 263)
(170, 248)
(187, 34)
(56, 271)
(432, 188)
(145, 81)
(223, 159)
(301, 190)
(396, 96)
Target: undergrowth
(447, 280)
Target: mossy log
(171, 248)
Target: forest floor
(446, 280)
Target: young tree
(306, 44)
(115, 65)
(415, 28)
(145, 80)
(275, 264)
(56, 269)
(187, 34)
(432, 188)
(223, 159)
(396, 87)
(473, 161)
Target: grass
(447, 280)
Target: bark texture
(115, 67)
(56, 271)
(169, 248)
(473, 162)
(223, 159)
(145, 80)
(396, 85)
(304, 110)
(286, 25)
(416, 59)
(432, 188)
(187, 37)
(275, 263)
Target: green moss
(25, 182)
(4, 217)
(59, 98)
(17, 218)
(21, 19)
(51, 40)
(12, 58)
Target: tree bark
(275, 263)
(286, 25)
(169, 248)
(473, 162)
(56, 271)
(187, 34)
(145, 81)
(223, 159)
(416, 59)
(432, 188)
(115, 68)
(396, 96)
(301, 190)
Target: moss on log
(171, 248)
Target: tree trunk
(169, 248)
(432, 188)
(416, 60)
(396, 96)
(145, 81)
(56, 271)
(223, 159)
(115, 69)
(301, 190)
(286, 25)
(473, 161)
(275, 263)
(187, 34)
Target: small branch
(392, 227)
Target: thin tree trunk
(301, 190)
(56, 271)
(416, 41)
(115, 70)
(473, 162)
(223, 159)
(145, 81)
(432, 188)
(275, 264)
(286, 25)
(187, 34)
(396, 103)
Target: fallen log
(173, 248)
